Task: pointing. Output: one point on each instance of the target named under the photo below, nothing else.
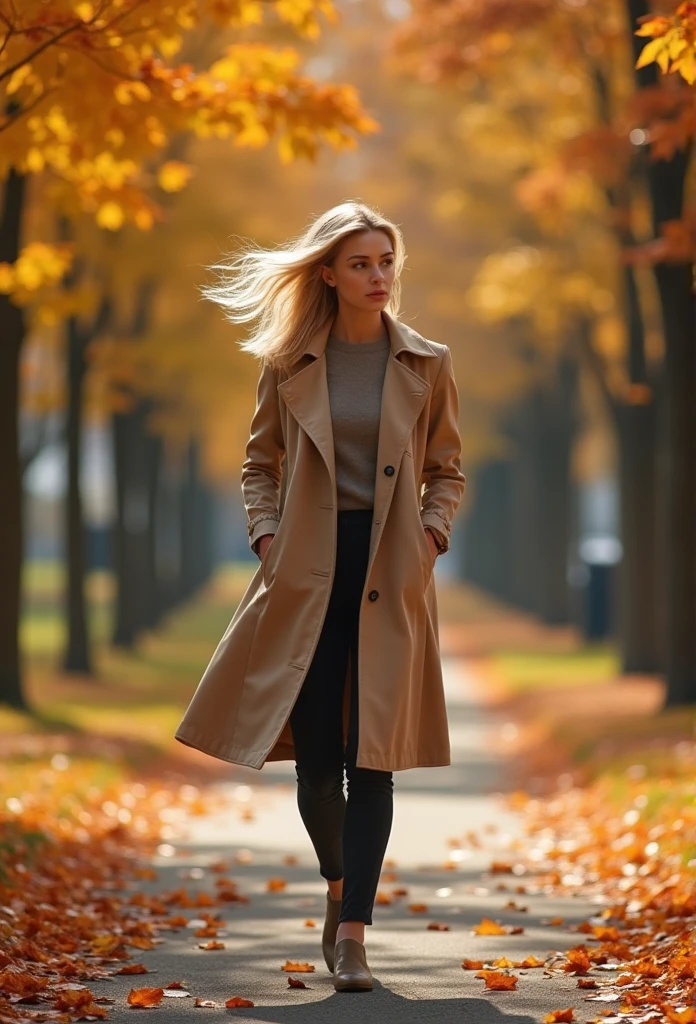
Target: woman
(350, 482)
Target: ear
(327, 275)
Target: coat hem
(257, 759)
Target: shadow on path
(384, 1005)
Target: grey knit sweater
(355, 375)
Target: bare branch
(39, 49)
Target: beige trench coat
(240, 709)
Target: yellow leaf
(17, 78)
(174, 175)
(651, 51)
(654, 27)
(35, 160)
(168, 46)
(677, 46)
(141, 91)
(110, 215)
(84, 11)
(488, 927)
(144, 219)
(686, 66)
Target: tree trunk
(12, 332)
(524, 504)
(155, 602)
(557, 427)
(486, 561)
(638, 638)
(667, 181)
(679, 315)
(131, 530)
(77, 657)
(77, 653)
(543, 428)
(134, 558)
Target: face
(363, 271)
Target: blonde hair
(283, 288)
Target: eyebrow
(359, 256)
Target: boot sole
(352, 986)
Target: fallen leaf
(498, 981)
(145, 996)
(578, 961)
(436, 926)
(296, 968)
(488, 927)
(559, 1016)
(296, 983)
(237, 1001)
(213, 944)
(418, 908)
(276, 884)
(204, 1002)
(132, 969)
(472, 965)
(530, 961)
(310, 924)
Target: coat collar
(404, 394)
(401, 338)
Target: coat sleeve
(262, 467)
(444, 482)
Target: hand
(434, 551)
(264, 544)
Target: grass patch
(123, 715)
(525, 670)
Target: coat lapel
(404, 394)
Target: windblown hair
(283, 290)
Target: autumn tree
(92, 92)
(471, 46)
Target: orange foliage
(673, 44)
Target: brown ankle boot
(328, 939)
(351, 973)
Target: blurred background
(545, 187)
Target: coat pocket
(426, 556)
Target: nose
(377, 275)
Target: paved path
(418, 972)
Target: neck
(358, 325)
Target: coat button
(373, 595)
(389, 470)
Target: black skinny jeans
(349, 836)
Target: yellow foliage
(39, 264)
(174, 175)
(673, 42)
(98, 104)
(110, 215)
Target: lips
(376, 295)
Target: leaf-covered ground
(87, 806)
